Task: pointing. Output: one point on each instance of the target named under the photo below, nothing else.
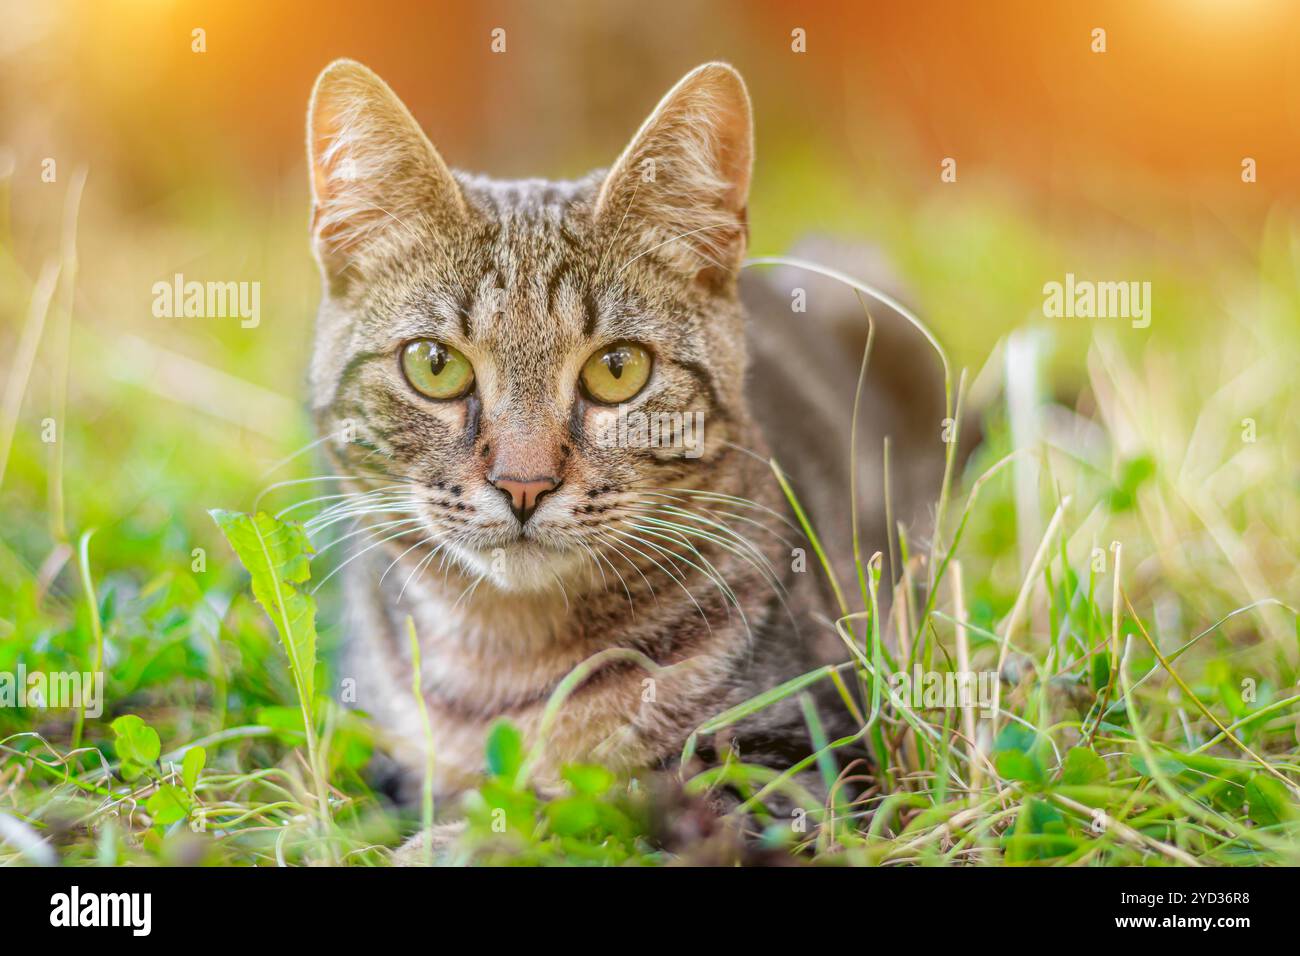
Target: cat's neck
(458, 608)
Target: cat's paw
(430, 847)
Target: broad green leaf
(1083, 767)
(1167, 765)
(1015, 736)
(194, 760)
(588, 778)
(136, 742)
(168, 805)
(1268, 800)
(277, 556)
(495, 803)
(126, 725)
(1016, 765)
(571, 816)
(1040, 833)
(505, 749)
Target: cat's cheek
(601, 424)
(452, 420)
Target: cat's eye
(616, 373)
(437, 370)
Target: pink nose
(524, 493)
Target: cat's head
(517, 367)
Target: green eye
(437, 370)
(616, 373)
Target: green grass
(1131, 571)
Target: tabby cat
(487, 356)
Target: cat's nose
(524, 493)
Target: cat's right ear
(377, 182)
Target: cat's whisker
(257, 501)
(594, 567)
(383, 516)
(303, 450)
(712, 498)
(470, 590)
(613, 545)
(391, 491)
(720, 497)
(636, 188)
(673, 571)
(631, 605)
(751, 555)
(353, 466)
(744, 542)
(421, 565)
(751, 521)
(591, 556)
(675, 536)
(393, 563)
(729, 590)
(371, 530)
(381, 511)
(342, 499)
(358, 509)
(672, 556)
(347, 495)
(365, 550)
(690, 507)
(713, 574)
(765, 460)
(560, 581)
(745, 549)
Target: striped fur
(686, 560)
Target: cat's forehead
(527, 272)
(522, 220)
(522, 229)
(530, 247)
(526, 202)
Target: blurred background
(1100, 154)
(1111, 155)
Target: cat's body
(531, 541)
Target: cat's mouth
(545, 552)
(525, 563)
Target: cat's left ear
(682, 185)
(376, 179)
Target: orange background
(1011, 89)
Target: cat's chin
(527, 567)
